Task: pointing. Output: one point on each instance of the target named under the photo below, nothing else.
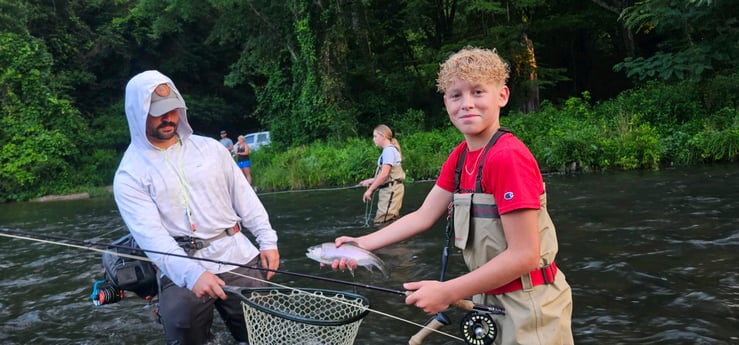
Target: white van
(257, 140)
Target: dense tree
(14, 16)
(43, 138)
(311, 70)
(689, 39)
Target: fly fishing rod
(477, 328)
(86, 244)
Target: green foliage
(111, 137)
(43, 138)
(317, 164)
(638, 148)
(425, 152)
(325, 73)
(639, 129)
(560, 137)
(673, 66)
(721, 91)
(661, 104)
(14, 16)
(719, 139)
(412, 121)
(643, 128)
(346, 162)
(697, 37)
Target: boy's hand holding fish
(345, 263)
(347, 255)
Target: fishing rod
(461, 304)
(475, 326)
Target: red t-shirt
(510, 173)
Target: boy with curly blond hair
(493, 186)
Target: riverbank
(47, 198)
(73, 196)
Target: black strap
(457, 173)
(460, 162)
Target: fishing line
(368, 211)
(309, 190)
(85, 244)
(378, 312)
(51, 239)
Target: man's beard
(158, 134)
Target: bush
(719, 140)
(425, 152)
(44, 139)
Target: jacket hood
(138, 100)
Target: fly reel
(478, 328)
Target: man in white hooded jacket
(182, 193)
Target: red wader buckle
(544, 275)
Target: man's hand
(270, 259)
(209, 285)
(367, 196)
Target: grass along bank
(646, 128)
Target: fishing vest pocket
(479, 232)
(462, 207)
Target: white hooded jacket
(161, 194)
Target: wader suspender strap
(379, 166)
(460, 162)
(478, 189)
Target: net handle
(239, 292)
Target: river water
(652, 258)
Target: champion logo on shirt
(508, 196)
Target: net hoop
(277, 316)
(353, 300)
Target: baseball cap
(223, 132)
(163, 100)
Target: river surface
(652, 258)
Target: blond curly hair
(475, 65)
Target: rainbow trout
(326, 253)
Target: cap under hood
(138, 100)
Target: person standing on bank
(241, 151)
(182, 193)
(388, 179)
(492, 188)
(226, 142)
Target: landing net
(277, 316)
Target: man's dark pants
(187, 319)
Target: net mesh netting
(307, 316)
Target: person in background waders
(388, 179)
(492, 191)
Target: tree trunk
(532, 84)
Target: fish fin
(383, 269)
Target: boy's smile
(474, 108)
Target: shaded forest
(316, 70)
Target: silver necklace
(474, 167)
